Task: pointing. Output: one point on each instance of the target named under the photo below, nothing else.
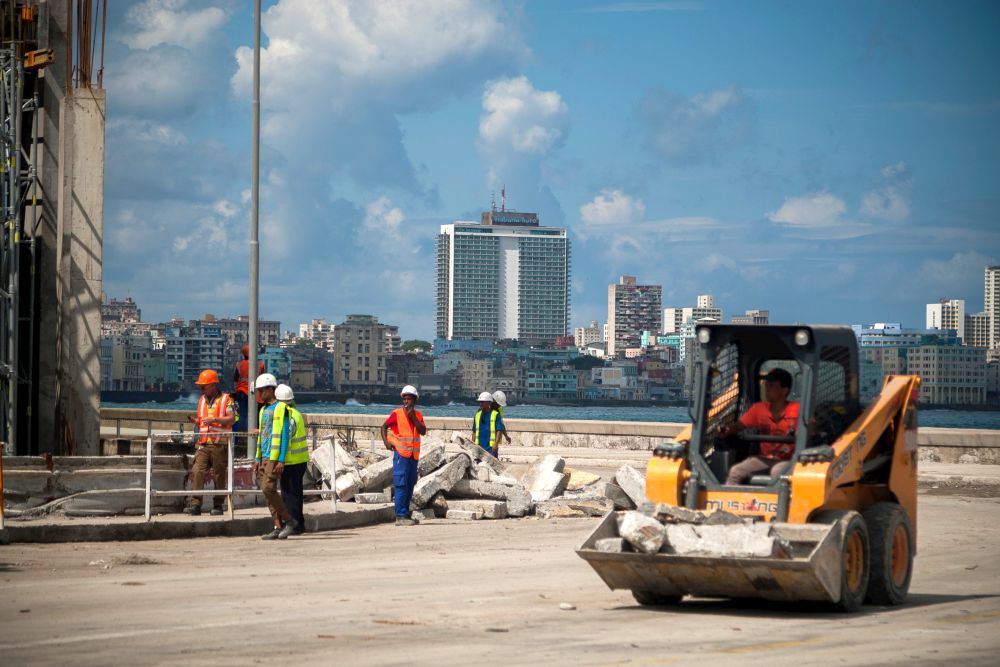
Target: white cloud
(612, 207)
(692, 129)
(520, 117)
(382, 228)
(890, 202)
(820, 209)
(172, 22)
(958, 275)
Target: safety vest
(493, 428)
(406, 438)
(242, 381)
(214, 411)
(298, 444)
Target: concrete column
(70, 245)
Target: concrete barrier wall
(945, 445)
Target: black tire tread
(882, 519)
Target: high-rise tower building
(503, 277)
(947, 314)
(632, 309)
(991, 303)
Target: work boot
(289, 528)
(193, 510)
(403, 521)
(216, 511)
(273, 535)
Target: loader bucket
(812, 571)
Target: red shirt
(243, 367)
(759, 418)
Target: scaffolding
(20, 62)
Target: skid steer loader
(843, 509)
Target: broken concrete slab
(490, 509)
(644, 533)
(323, 456)
(579, 479)
(464, 515)
(566, 507)
(441, 480)
(422, 515)
(518, 499)
(439, 505)
(610, 545)
(545, 478)
(632, 483)
(479, 455)
(724, 518)
(348, 484)
(432, 457)
(376, 476)
(371, 498)
(725, 541)
(674, 514)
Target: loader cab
(730, 361)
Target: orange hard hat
(208, 376)
(246, 351)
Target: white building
(947, 314)
(991, 303)
(674, 318)
(977, 330)
(504, 277)
(582, 336)
(319, 332)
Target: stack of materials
(460, 480)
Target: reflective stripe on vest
(214, 411)
(493, 428)
(407, 440)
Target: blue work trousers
(404, 478)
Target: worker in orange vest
(401, 433)
(241, 378)
(216, 416)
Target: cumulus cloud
(612, 207)
(962, 273)
(694, 129)
(891, 201)
(172, 22)
(519, 130)
(820, 215)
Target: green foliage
(416, 345)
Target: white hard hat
(410, 389)
(284, 393)
(500, 398)
(485, 396)
(265, 380)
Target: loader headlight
(802, 337)
(704, 335)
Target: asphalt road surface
(448, 593)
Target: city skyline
(854, 183)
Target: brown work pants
(269, 480)
(755, 465)
(217, 458)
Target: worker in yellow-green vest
(269, 461)
(296, 456)
(487, 425)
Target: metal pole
(149, 473)
(254, 244)
(232, 444)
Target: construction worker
(298, 453)
(499, 403)
(401, 433)
(241, 377)
(216, 415)
(487, 424)
(272, 446)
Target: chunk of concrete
(348, 484)
(323, 455)
(432, 457)
(644, 533)
(371, 498)
(439, 505)
(376, 476)
(464, 515)
(632, 483)
(617, 495)
(490, 509)
(479, 455)
(545, 478)
(441, 480)
(573, 507)
(724, 518)
(579, 479)
(422, 515)
(674, 514)
(610, 545)
(518, 499)
(728, 541)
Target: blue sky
(830, 161)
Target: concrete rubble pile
(686, 532)
(463, 481)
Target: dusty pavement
(450, 593)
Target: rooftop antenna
(493, 200)
(503, 198)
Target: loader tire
(855, 560)
(650, 599)
(892, 548)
